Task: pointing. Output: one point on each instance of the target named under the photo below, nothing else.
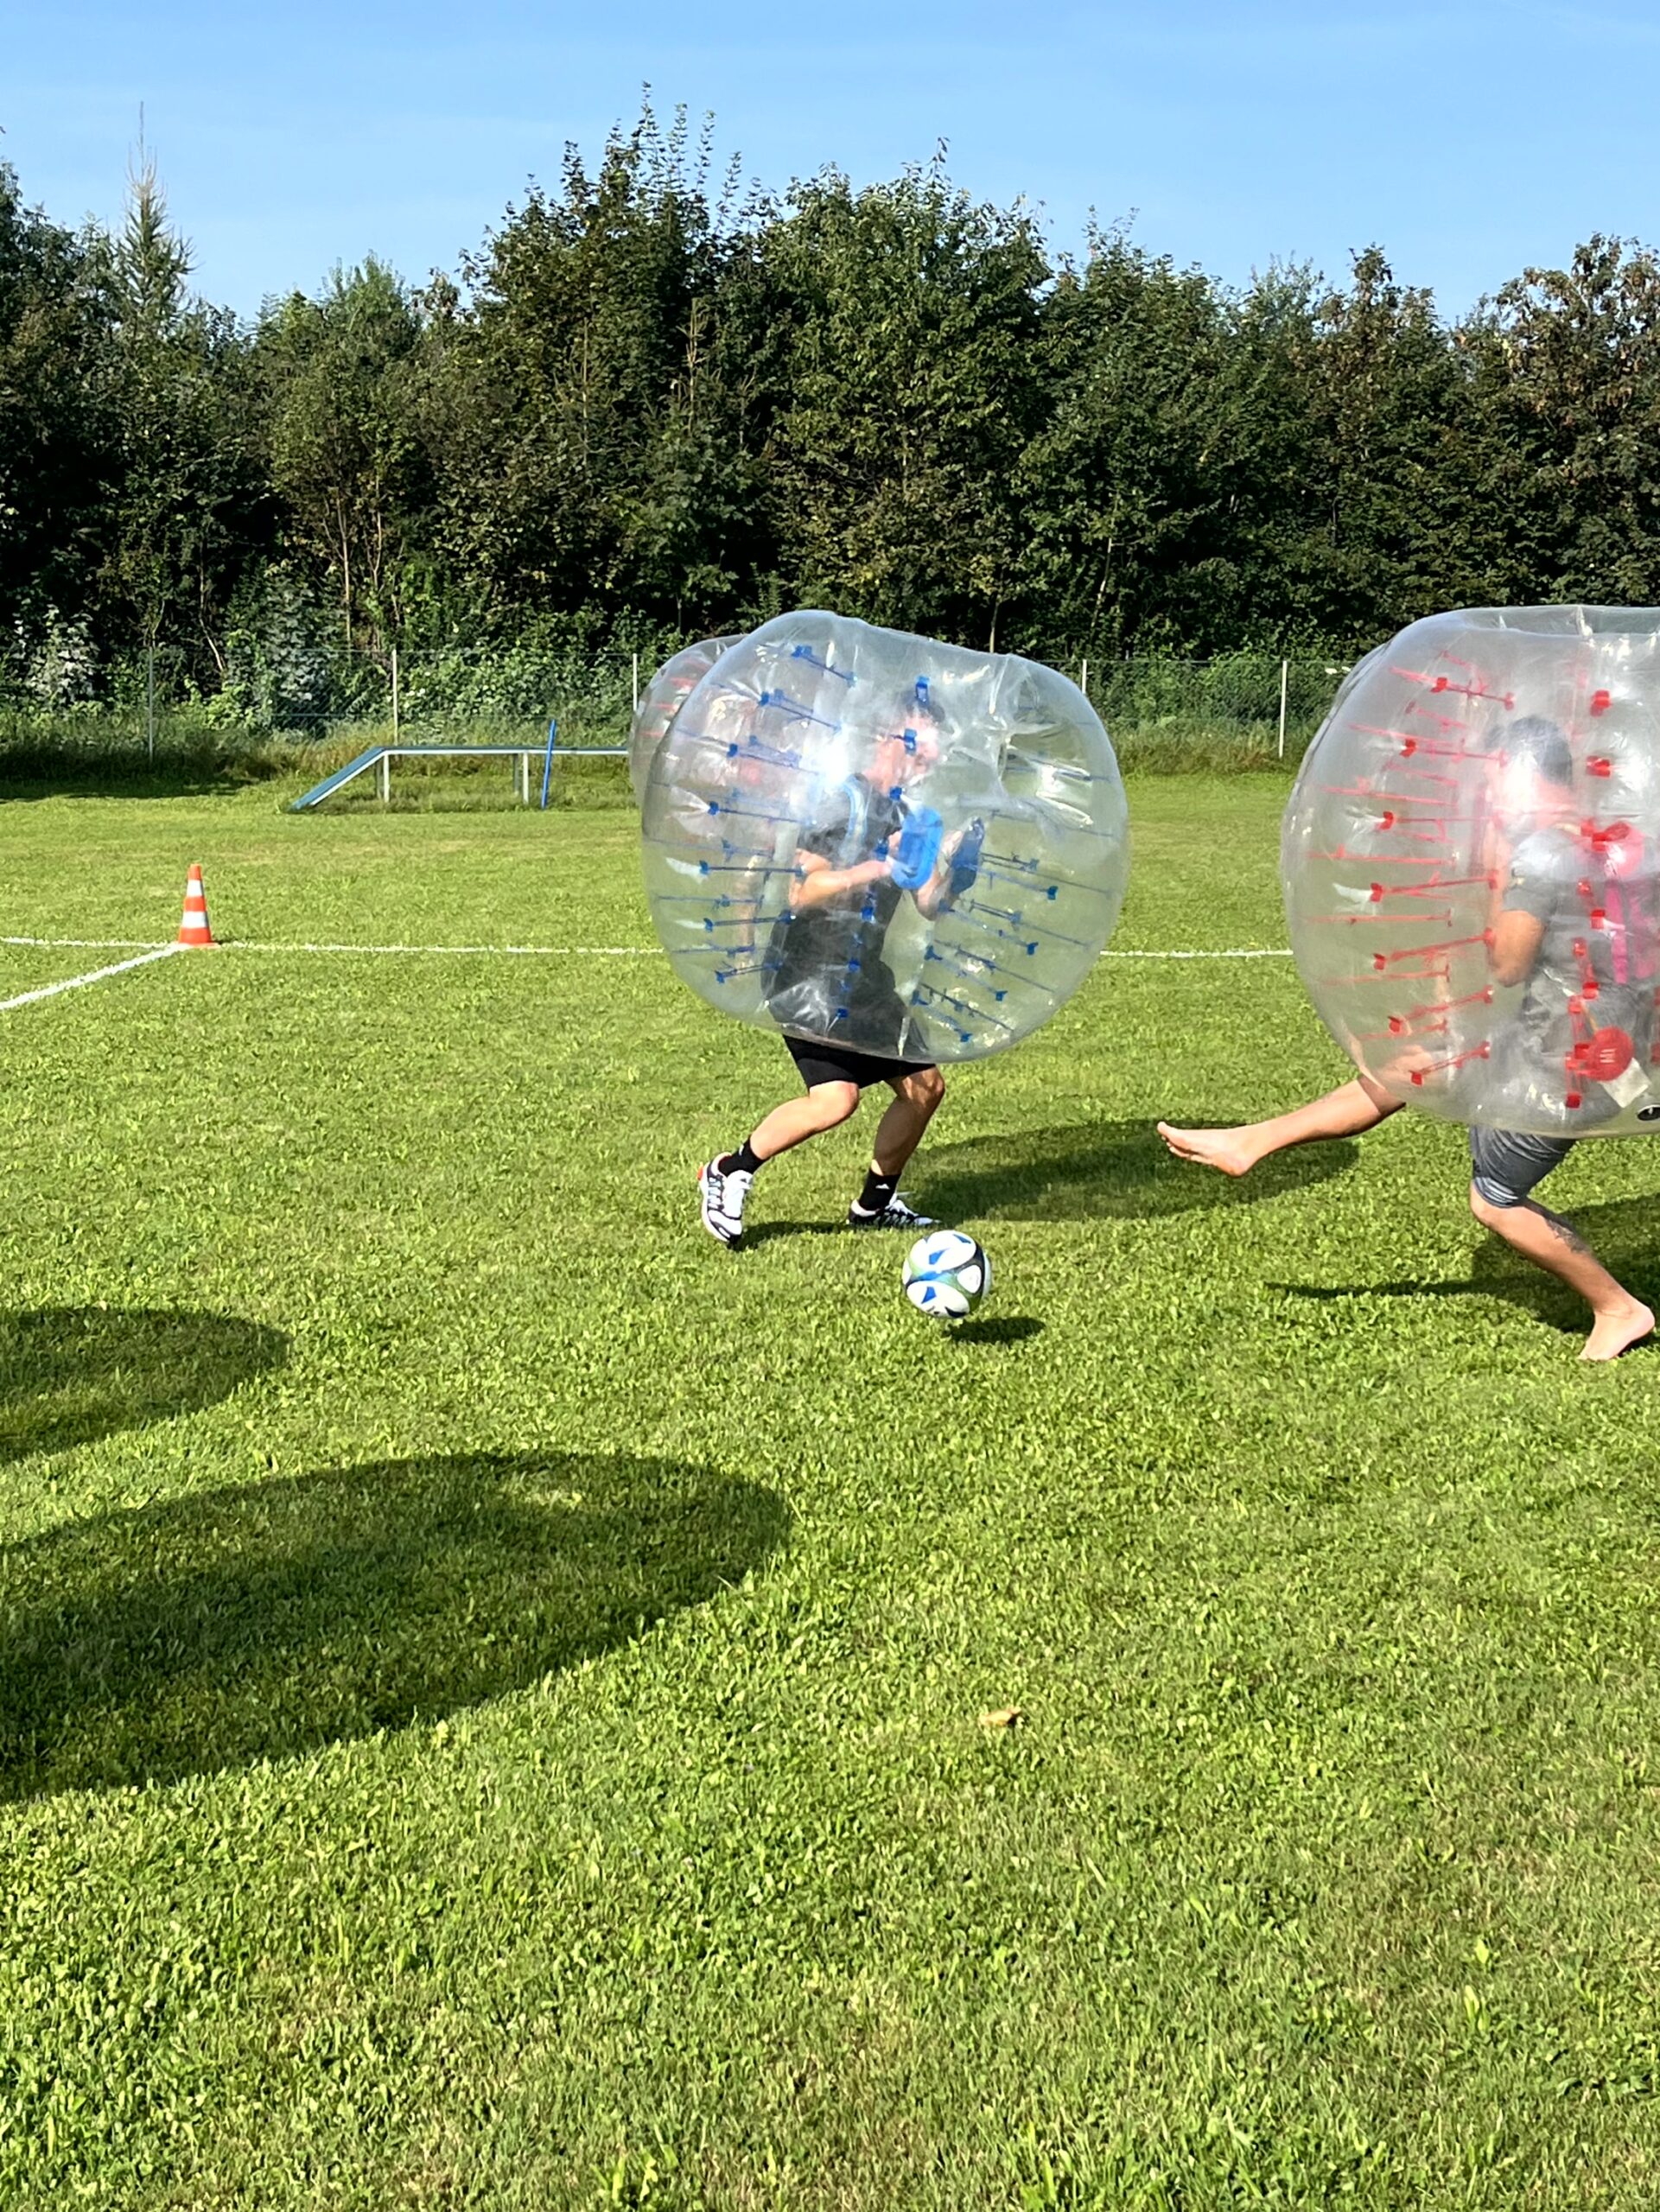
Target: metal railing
(379, 758)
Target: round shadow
(1099, 1170)
(71, 1374)
(1004, 1329)
(259, 1622)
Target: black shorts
(821, 1063)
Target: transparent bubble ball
(1469, 863)
(662, 700)
(876, 841)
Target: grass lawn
(491, 1683)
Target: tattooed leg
(1618, 1319)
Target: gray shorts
(1506, 1165)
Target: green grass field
(491, 1691)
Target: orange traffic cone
(193, 925)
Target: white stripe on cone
(193, 927)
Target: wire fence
(1261, 705)
(315, 699)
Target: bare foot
(1614, 1333)
(1229, 1150)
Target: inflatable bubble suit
(1469, 861)
(905, 848)
(662, 700)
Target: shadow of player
(764, 1232)
(1621, 1233)
(1100, 1170)
(71, 1374)
(263, 1621)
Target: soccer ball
(946, 1274)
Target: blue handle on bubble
(919, 843)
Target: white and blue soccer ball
(946, 1274)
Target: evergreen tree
(189, 508)
(57, 449)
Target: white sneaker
(895, 1215)
(723, 1195)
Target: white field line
(498, 951)
(506, 951)
(93, 944)
(95, 975)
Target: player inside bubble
(866, 848)
(1569, 949)
(889, 852)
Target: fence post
(1284, 671)
(547, 765)
(385, 779)
(1083, 675)
(149, 702)
(394, 694)
(636, 683)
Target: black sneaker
(895, 1215)
(722, 1195)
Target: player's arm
(817, 883)
(1516, 937)
(1532, 891)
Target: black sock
(743, 1161)
(878, 1192)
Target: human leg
(1507, 1167)
(918, 1093)
(826, 1106)
(918, 1096)
(723, 1184)
(1348, 1111)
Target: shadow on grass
(261, 1622)
(763, 1232)
(1099, 1170)
(71, 1374)
(1624, 1234)
(27, 775)
(1007, 1329)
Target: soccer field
(494, 1688)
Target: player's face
(1511, 783)
(910, 754)
(1521, 793)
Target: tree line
(657, 404)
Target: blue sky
(1466, 139)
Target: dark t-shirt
(827, 972)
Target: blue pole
(547, 765)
